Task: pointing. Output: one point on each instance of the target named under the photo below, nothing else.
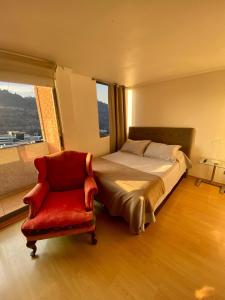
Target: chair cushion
(63, 171)
(59, 210)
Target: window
(19, 120)
(103, 108)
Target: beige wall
(17, 168)
(197, 101)
(79, 113)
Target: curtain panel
(117, 112)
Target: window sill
(21, 145)
(103, 136)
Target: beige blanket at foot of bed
(127, 192)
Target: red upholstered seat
(62, 201)
(61, 209)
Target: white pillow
(162, 151)
(135, 147)
(180, 156)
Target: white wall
(79, 113)
(197, 101)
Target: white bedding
(168, 171)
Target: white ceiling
(129, 42)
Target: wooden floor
(12, 202)
(181, 256)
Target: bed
(133, 186)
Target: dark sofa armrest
(90, 189)
(36, 197)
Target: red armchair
(62, 201)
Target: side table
(215, 164)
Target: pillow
(162, 151)
(182, 157)
(135, 147)
(179, 156)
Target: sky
(102, 92)
(25, 90)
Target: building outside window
(19, 119)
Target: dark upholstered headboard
(166, 135)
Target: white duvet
(168, 171)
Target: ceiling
(130, 42)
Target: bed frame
(166, 135)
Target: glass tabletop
(212, 162)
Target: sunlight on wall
(9, 155)
(129, 108)
(17, 169)
(30, 153)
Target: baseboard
(14, 217)
(8, 194)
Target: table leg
(198, 182)
(222, 189)
(213, 173)
(211, 181)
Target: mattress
(169, 172)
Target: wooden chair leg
(93, 238)
(31, 245)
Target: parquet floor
(181, 256)
(12, 202)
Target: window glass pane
(19, 120)
(103, 109)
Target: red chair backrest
(66, 170)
